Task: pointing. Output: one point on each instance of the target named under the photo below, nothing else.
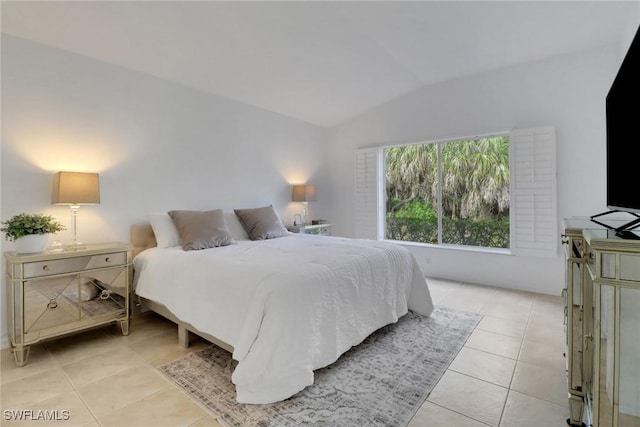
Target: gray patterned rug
(381, 382)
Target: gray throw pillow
(261, 223)
(201, 229)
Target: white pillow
(235, 228)
(165, 230)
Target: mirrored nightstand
(317, 229)
(56, 293)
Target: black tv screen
(623, 134)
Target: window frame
(382, 214)
(533, 208)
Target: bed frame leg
(183, 336)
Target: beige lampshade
(75, 188)
(304, 193)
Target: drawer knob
(45, 267)
(53, 304)
(107, 259)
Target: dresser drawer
(615, 266)
(72, 265)
(630, 268)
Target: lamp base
(75, 244)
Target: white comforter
(288, 305)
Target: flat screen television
(623, 138)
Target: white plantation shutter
(367, 164)
(533, 192)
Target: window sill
(478, 249)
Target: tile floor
(510, 373)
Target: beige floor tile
(39, 361)
(63, 410)
(550, 322)
(552, 314)
(548, 302)
(551, 318)
(519, 312)
(511, 328)
(552, 334)
(168, 407)
(490, 342)
(439, 289)
(544, 354)
(557, 299)
(460, 296)
(430, 415)
(164, 348)
(102, 365)
(484, 366)
(80, 346)
(142, 327)
(455, 291)
(527, 411)
(485, 293)
(469, 396)
(34, 389)
(117, 391)
(515, 297)
(464, 303)
(544, 383)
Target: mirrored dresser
(578, 320)
(54, 293)
(603, 326)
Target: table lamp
(304, 194)
(75, 189)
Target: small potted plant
(29, 232)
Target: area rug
(381, 382)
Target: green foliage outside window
(418, 223)
(474, 187)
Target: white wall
(567, 92)
(157, 145)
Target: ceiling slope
(321, 62)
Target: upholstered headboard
(142, 238)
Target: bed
(283, 306)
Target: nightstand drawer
(107, 260)
(70, 265)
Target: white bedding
(288, 305)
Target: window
(532, 199)
(453, 192)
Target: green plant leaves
(26, 224)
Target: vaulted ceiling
(321, 62)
